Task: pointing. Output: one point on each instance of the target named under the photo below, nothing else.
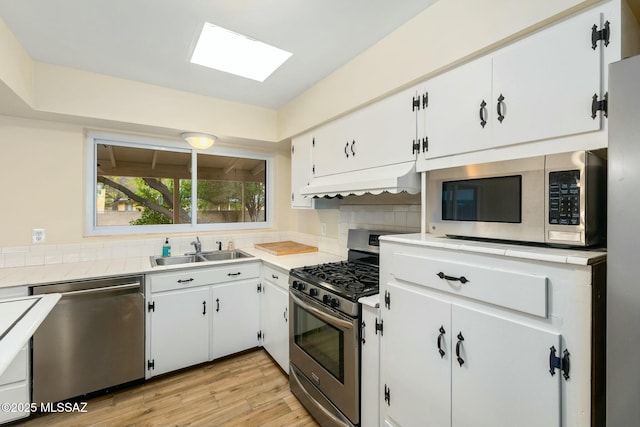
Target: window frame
(90, 214)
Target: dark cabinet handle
(483, 120)
(234, 274)
(353, 152)
(362, 327)
(500, 103)
(460, 279)
(425, 144)
(285, 314)
(185, 280)
(440, 337)
(273, 276)
(458, 346)
(346, 147)
(217, 304)
(204, 308)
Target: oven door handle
(321, 314)
(339, 422)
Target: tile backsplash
(403, 218)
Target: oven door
(324, 349)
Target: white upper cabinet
(543, 85)
(458, 115)
(542, 94)
(379, 134)
(301, 170)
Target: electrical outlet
(323, 229)
(37, 235)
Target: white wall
(446, 34)
(42, 171)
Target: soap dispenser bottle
(166, 248)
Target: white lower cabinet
(453, 355)
(200, 314)
(14, 381)
(14, 388)
(179, 329)
(461, 367)
(235, 317)
(369, 363)
(275, 323)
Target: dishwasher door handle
(103, 289)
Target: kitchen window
(138, 185)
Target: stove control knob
(294, 285)
(335, 302)
(301, 286)
(313, 292)
(326, 299)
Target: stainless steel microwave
(557, 199)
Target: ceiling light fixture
(200, 141)
(237, 54)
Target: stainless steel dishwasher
(92, 340)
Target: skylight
(234, 53)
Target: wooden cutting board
(285, 248)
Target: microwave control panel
(564, 197)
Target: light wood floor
(245, 390)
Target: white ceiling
(152, 40)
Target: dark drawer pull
(186, 280)
(273, 276)
(234, 274)
(460, 279)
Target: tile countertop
(538, 253)
(51, 273)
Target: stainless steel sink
(201, 257)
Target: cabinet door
(370, 368)
(383, 133)
(547, 82)
(235, 317)
(330, 153)
(300, 170)
(179, 329)
(417, 375)
(504, 379)
(275, 323)
(457, 118)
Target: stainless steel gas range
(324, 334)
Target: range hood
(390, 178)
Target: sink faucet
(219, 245)
(197, 245)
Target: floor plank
(247, 390)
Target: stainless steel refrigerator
(623, 246)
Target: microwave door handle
(321, 314)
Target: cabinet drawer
(517, 291)
(179, 279)
(14, 292)
(17, 370)
(276, 276)
(189, 278)
(230, 272)
(15, 393)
